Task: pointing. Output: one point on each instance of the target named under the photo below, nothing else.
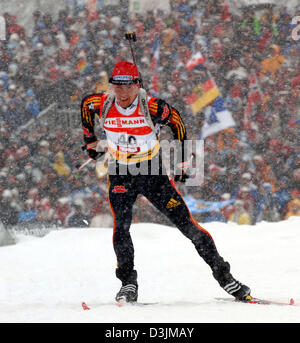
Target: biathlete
(131, 120)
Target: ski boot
(230, 284)
(129, 291)
(238, 290)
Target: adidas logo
(232, 287)
(172, 203)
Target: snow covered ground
(45, 280)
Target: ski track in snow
(45, 280)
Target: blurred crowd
(253, 166)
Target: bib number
(127, 140)
(128, 144)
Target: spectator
(240, 215)
(44, 156)
(248, 200)
(8, 213)
(59, 165)
(282, 194)
(32, 104)
(13, 27)
(272, 65)
(293, 206)
(14, 115)
(45, 212)
(227, 210)
(62, 210)
(33, 197)
(267, 205)
(77, 218)
(29, 212)
(263, 172)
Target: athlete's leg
(164, 196)
(122, 195)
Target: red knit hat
(125, 73)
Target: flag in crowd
(201, 206)
(207, 98)
(195, 60)
(204, 92)
(217, 118)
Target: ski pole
(79, 166)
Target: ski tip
(85, 306)
(120, 302)
(252, 300)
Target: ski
(86, 307)
(122, 303)
(258, 301)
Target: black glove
(181, 178)
(182, 167)
(91, 150)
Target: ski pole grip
(130, 35)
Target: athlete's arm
(90, 107)
(164, 114)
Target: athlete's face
(125, 94)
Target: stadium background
(54, 55)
